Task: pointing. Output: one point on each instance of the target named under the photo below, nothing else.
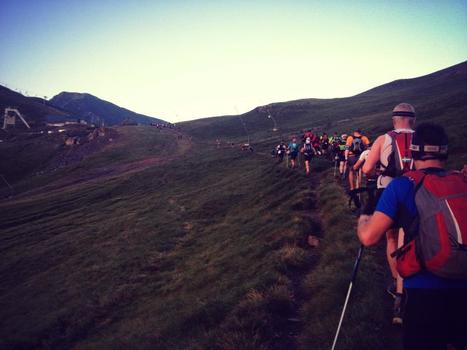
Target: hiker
(341, 154)
(359, 163)
(316, 145)
(370, 186)
(308, 152)
(309, 134)
(324, 141)
(390, 156)
(334, 153)
(354, 146)
(293, 152)
(333, 138)
(280, 151)
(430, 204)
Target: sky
(182, 60)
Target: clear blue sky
(182, 60)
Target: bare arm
(372, 228)
(348, 143)
(373, 156)
(358, 164)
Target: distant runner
(370, 185)
(280, 151)
(293, 152)
(308, 152)
(354, 146)
(341, 155)
(316, 145)
(324, 140)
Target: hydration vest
(400, 159)
(308, 149)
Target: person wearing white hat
(390, 157)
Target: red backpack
(438, 240)
(400, 160)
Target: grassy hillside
(158, 240)
(439, 97)
(188, 247)
(88, 265)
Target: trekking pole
(352, 281)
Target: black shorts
(308, 157)
(352, 160)
(434, 318)
(293, 155)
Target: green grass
(367, 321)
(161, 258)
(161, 243)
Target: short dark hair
(429, 134)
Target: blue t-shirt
(293, 147)
(398, 202)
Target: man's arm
(373, 156)
(372, 228)
(358, 164)
(348, 143)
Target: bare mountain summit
(93, 109)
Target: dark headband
(403, 114)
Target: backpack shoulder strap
(417, 176)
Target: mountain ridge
(436, 96)
(90, 107)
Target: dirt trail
(112, 171)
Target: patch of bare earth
(96, 175)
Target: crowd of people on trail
(420, 207)
(342, 149)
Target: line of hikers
(420, 208)
(294, 149)
(343, 149)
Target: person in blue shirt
(436, 307)
(293, 152)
